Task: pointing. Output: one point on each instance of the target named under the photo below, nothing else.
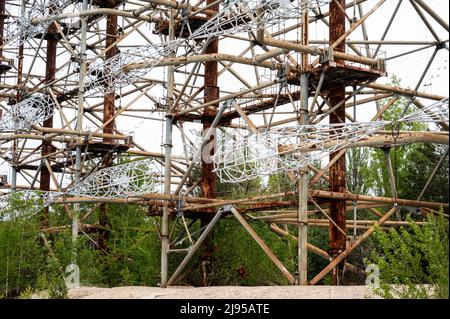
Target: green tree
(21, 254)
(239, 260)
(27, 262)
(413, 261)
(358, 168)
(133, 250)
(412, 164)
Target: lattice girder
(292, 148)
(33, 110)
(120, 181)
(22, 29)
(285, 149)
(36, 201)
(244, 16)
(433, 113)
(106, 76)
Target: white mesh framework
(245, 15)
(22, 29)
(436, 113)
(106, 76)
(285, 149)
(120, 181)
(37, 199)
(33, 110)
(291, 148)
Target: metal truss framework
(292, 148)
(78, 76)
(33, 110)
(119, 181)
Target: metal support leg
(194, 248)
(263, 245)
(387, 154)
(433, 174)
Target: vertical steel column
(75, 217)
(20, 60)
(3, 16)
(303, 174)
(79, 124)
(18, 99)
(391, 176)
(208, 178)
(165, 240)
(108, 114)
(47, 146)
(13, 178)
(337, 170)
(110, 98)
(83, 67)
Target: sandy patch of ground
(228, 292)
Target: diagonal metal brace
(207, 136)
(263, 245)
(196, 246)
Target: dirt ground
(268, 292)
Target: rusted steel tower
(109, 108)
(275, 78)
(337, 173)
(47, 147)
(208, 177)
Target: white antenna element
(37, 200)
(107, 76)
(33, 110)
(120, 181)
(285, 149)
(22, 29)
(434, 113)
(291, 148)
(239, 16)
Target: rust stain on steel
(109, 124)
(208, 178)
(3, 16)
(110, 98)
(47, 146)
(337, 240)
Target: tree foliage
(413, 261)
(412, 164)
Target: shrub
(413, 261)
